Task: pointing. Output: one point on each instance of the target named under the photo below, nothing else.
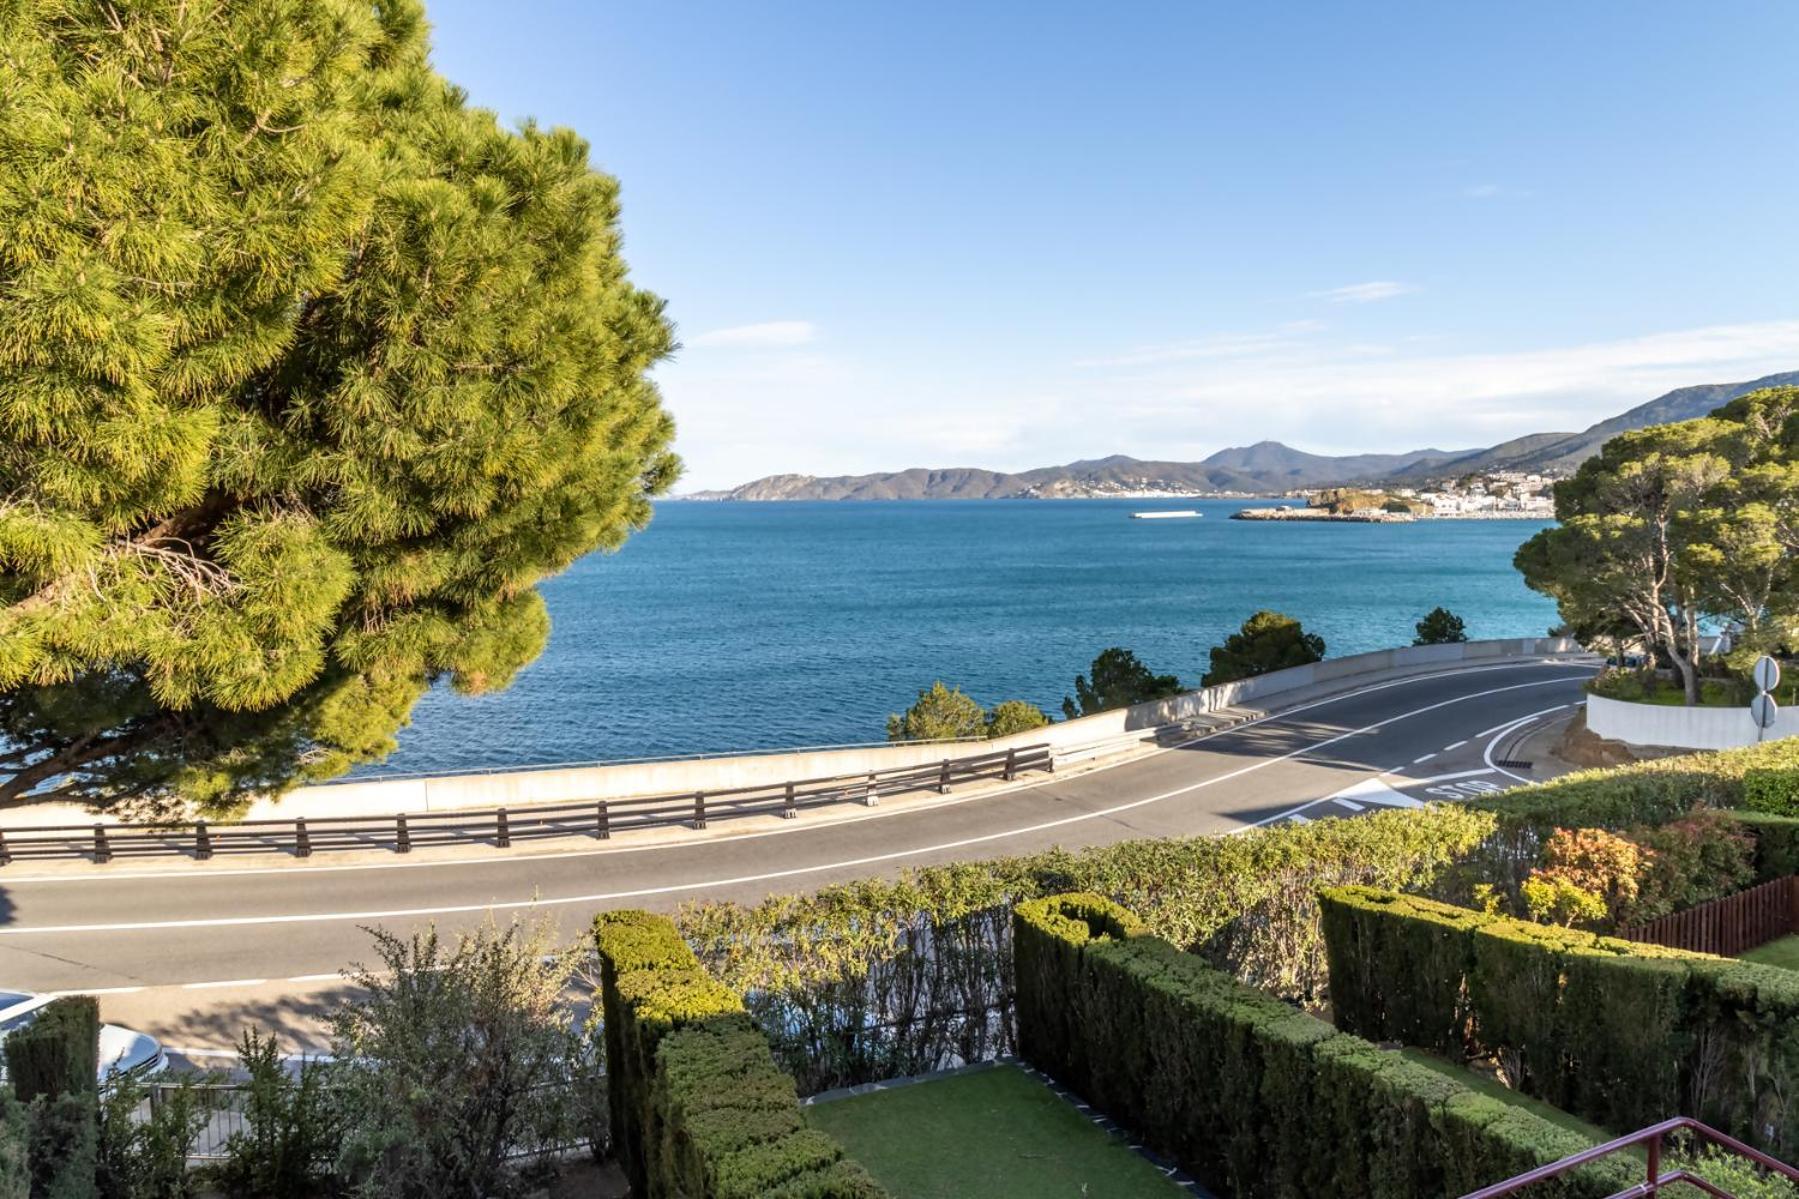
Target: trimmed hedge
(1655, 792)
(1776, 844)
(58, 1052)
(1621, 1033)
(698, 1108)
(1253, 1096)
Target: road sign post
(1762, 709)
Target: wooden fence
(1730, 926)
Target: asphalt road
(191, 951)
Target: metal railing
(501, 827)
(1655, 1178)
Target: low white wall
(1680, 727)
(441, 793)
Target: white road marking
(98, 991)
(14, 930)
(1351, 804)
(1441, 778)
(108, 874)
(1296, 818)
(1500, 731)
(333, 977)
(1454, 745)
(1423, 760)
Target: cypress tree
(309, 372)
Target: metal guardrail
(501, 827)
(1655, 1180)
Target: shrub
(1119, 679)
(58, 1052)
(1703, 856)
(145, 1156)
(64, 1146)
(15, 1147)
(699, 1109)
(1621, 1033)
(1267, 641)
(1015, 716)
(1254, 1097)
(1440, 626)
(453, 1062)
(1776, 843)
(1774, 791)
(938, 714)
(287, 1147)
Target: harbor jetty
(1322, 514)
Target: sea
(735, 626)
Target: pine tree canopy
(309, 372)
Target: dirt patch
(1581, 748)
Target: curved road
(232, 927)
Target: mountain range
(1267, 466)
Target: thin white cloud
(768, 335)
(1482, 191)
(1365, 293)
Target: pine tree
(309, 372)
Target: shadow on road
(299, 1021)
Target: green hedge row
(1654, 792)
(1776, 844)
(58, 1052)
(1253, 1096)
(699, 1109)
(1621, 1033)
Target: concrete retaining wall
(441, 793)
(1680, 727)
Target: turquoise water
(744, 626)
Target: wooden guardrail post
(789, 809)
(302, 838)
(102, 850)
(402, 835)
(202, 842)
(943, 778)
(502, 831)
(699, 809)
(1011, 765)
(871, 794)
(603, 823)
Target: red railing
(1729, 926)
(1654, 1177)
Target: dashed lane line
(1454, 745)
(15, 930)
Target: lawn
(987, 1134)
(1784, 952)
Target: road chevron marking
(787, 826)
(14, 930)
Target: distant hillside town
(1499, 495)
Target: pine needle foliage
(309, 372)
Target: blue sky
(1011, 235)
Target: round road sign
(1763, 710)
(1767, 673)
